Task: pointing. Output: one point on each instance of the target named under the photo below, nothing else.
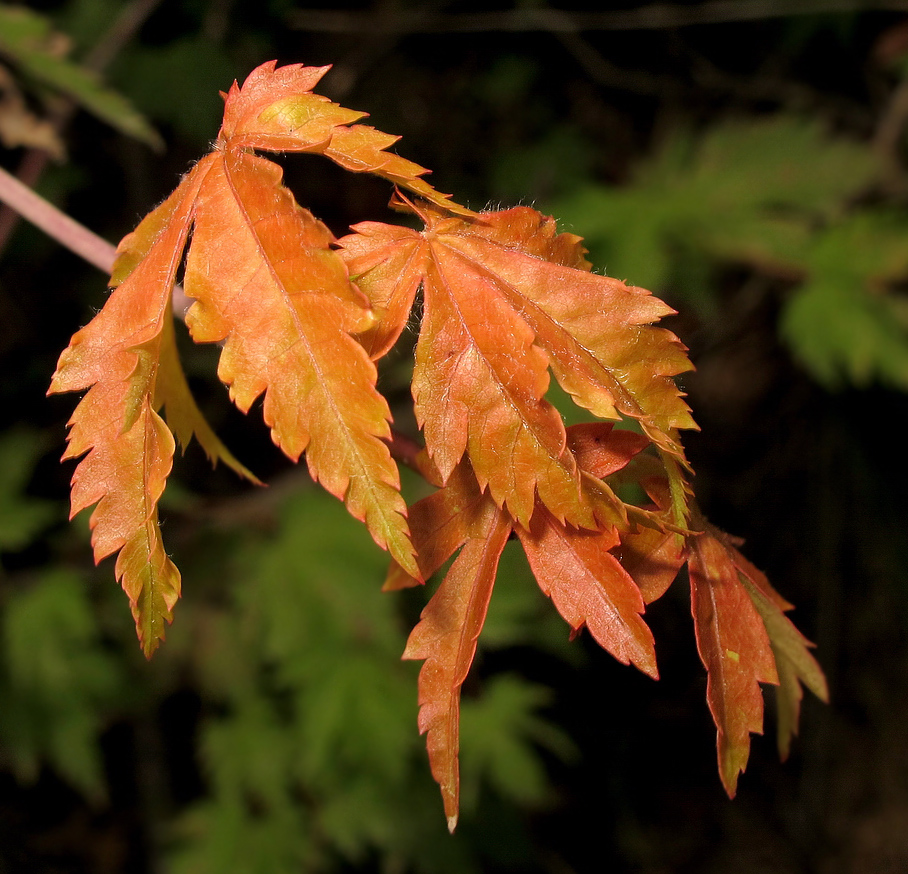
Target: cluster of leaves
(783, 198)
(302, 318)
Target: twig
(35, 161)
(66, 231)
(406, 451)
(656, 16)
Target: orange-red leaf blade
(734, 647)
(598, 331)
(127, 448)
(387, 263)
(653, 558)
(588, 586)
(601, 449)
(446, 638)
(479, 386)
(269, 287)
(440, 524)
(275, 110)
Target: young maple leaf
(744, 639)
(734, 647)
(269, 287)
(446, 634)
(129, 448)
(505, 299)
(574, 567)
(791, 650)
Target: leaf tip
(150, 646)
(452, 823)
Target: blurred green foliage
(39, 54)
(779, 196)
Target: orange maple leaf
(505, 299)
(574, 567)
(268, 286)
(734, 647)
(744, 639)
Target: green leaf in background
(501, 733)
(57, 681)
(749, 192)
(232, 834)
(21, 517)
(776, 196)
(846, 323)
(314, 716)
(28, 41)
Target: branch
(66, 231)
(656, 16)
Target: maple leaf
(509, 275)
(735, 649)
(744, 638)
(128, 449)
(574, 567)
(275, 110)
(269, 287)
(452, 620)
(791, 650)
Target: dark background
(506, 103)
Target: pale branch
(68, 232)
(56, 224)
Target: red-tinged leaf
(588, 586)
(651, 554)
(601, 449)
(387, 263)
(275, 110)
(128, 449)
(440, 524)
(508, 274)
(269, 287)
(653, 558)
(794, 663)
(734, 647)
(473, 393)
(446, 638)
(598, 331)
